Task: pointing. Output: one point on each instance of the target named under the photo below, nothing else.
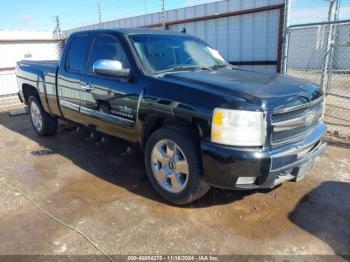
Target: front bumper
(223, 165)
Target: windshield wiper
(182, 68)
(218, 66)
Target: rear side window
(107, 47)
(77, 53)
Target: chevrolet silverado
(199, 121)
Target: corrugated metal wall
(16, 50)
(248, 37)
(246, 32)
(11, 52)
(8, 83)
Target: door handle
(87, 87)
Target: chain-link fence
(320, 53)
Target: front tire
(174, 166)
(43, 123)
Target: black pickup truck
(199, 121)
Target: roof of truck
(131, 31)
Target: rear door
(110, 103)
(68, 83)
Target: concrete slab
(17, 112)
(104, 193)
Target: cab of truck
(199, 121)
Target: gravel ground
(101, 190)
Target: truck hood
(248, 84)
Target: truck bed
(41, 75)
(44, 65)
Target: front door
(68, 82)
(110, 103)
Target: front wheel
(43, 123)
(174, 166)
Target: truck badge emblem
(309, 120)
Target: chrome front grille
(279, 117)
(278, 137)
(292, 123)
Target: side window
(77, 53)
(107, 47)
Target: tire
(43, 123)
(162, 170)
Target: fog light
(245, 180)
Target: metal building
(248, 33)
(18, 45)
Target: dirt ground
(102, 191)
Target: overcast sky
(39, 14)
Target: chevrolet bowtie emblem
(309, 120)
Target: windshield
(166, 53)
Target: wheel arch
(29, 90)
(195, 128)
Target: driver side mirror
(107, 67)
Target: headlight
(238, 127)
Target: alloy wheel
(36, 116)
(169, 166)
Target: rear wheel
(174, 166)
(43, 123)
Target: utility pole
(57, 30)
(57, 34)
(146, 9)
(99, 15)
(163, 13)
